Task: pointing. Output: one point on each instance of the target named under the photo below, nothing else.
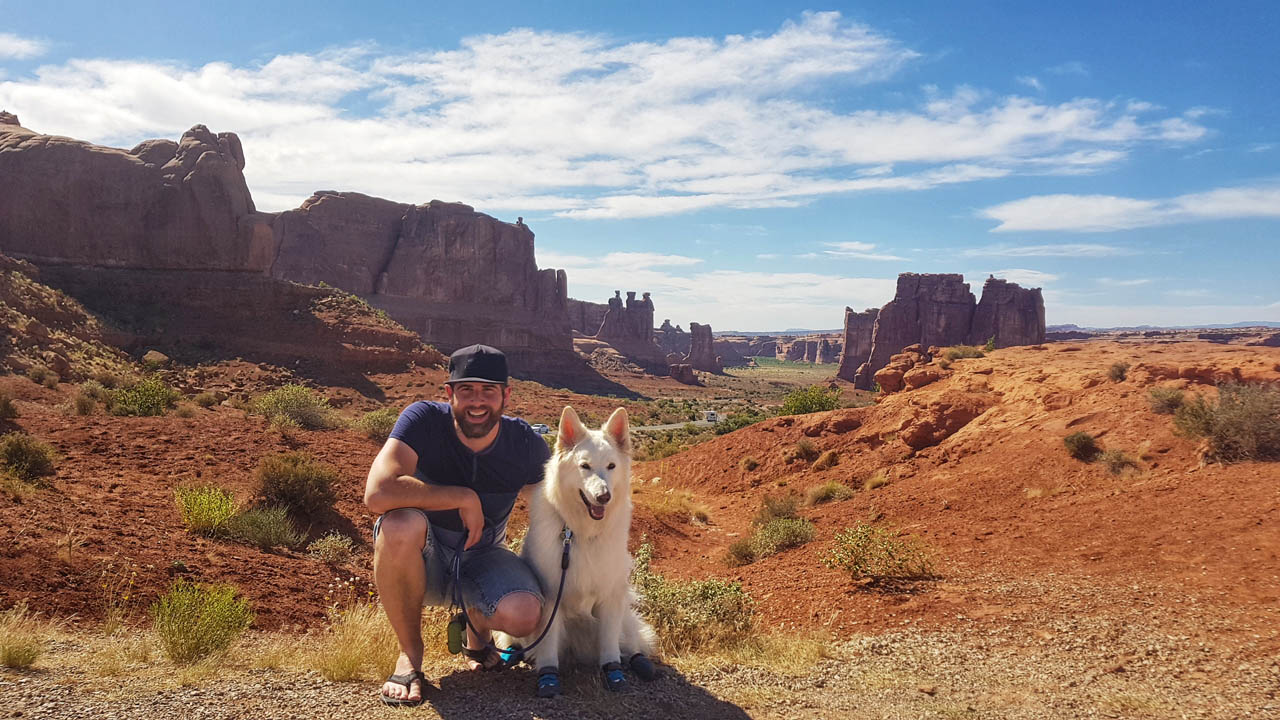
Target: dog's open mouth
(596, 511)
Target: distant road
(673, 426)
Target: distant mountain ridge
(1135, 328)
(788, 331)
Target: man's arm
(391, 485)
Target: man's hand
(472, 517)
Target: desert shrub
(959, 352)
(1117, 460)
(22, 637)
(377, 424)
(298, 405)
(1118, 371)
(265, 527)
(83, 404)
(296, 481)
(868, 551)
(740, 552)
(877, 479)
(26, 457)
(694, 614)
(773, 507)
(945, 364)
(678, 505)
(828, 459)
(1244, 424)
(802, 451)
(830, 491)
(41, 375)
(185, 411)
(991, 344)
(8, 409)
(334, 548)
(107, 379)
(97, 391)
(1165, 400)
(194, 622)
(749, 463)
(147, 397)
(205, 399)
(206, 510)
(780, 534)
(738, 420)
(810, 400)
(14, 487)
(1081, 446)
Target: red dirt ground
(998, 500)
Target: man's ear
(618, 429)
(571, 430)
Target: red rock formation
(1010, 314)
(683, 372)
(858, 327)
(702, 349)
(927, 309)
(585, 317)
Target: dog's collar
(566, 534)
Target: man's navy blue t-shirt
(515, 459)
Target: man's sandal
(548, 682)
(488, 657)
(406, 679)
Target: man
(446, 479)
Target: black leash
(514, 654)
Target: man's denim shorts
(489, 570)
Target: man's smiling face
(477, 406)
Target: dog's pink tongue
(597, 511)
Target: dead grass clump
(879, 553)
(959, 352)
(205, 399)
(8, 409)
(1165, 400)
(695, 615)
(23, 636)
(1118, 371)
(1117, 461)
(296, 481)
(334, 548)
(83, 404)
(29, 459)
(749, 463)
(1081, 446)
(678, 505)
(195, 622)
(877, 479)
(802, 451)
(773, 507)
(1244, 424)
(185, 411)
(377, 425)
(828, 459)
(829, 491)
(14, 487)
(358, 645)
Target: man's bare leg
(517, 615)
(401, 579)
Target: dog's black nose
(603, 497)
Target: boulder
(683, 372)
(942, 418)
(155, 359)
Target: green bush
(868, 551)
(737, 421)
(8, 410)
(1081, 446)
(335, 548)
(780, 534)
(42, 375)
(185, 410)
(692, 615)
(206, 510)
(810, 400)
(265, 527)
(296, 481)
(803, 451)
(377, 424)
(147, 397)
(1244, 424)
(1165, 400)
(830, 491)
(83, 404)
(1117, 460)
(26, 457)
(773, 507)
(958, 352)
(1118, 371)
(196, 621)
(740, 552)
(205, 399)
(991, 344)
(296, 405)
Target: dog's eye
(585, 466)
(612, 466)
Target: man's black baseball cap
(477, 363)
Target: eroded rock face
(942, 418)
(162, 205)
(702, 349)
(683, 372)
(858, 327)
(1011, 314)
(585, 317)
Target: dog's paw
(613, 677)
(643, 667)
(548, 683)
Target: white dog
(587, 492)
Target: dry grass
(828, 459)
(23, 636)
(877, 479)
(829, 491)
(677, 505)
(359, 644)
(749, 463)
(802, 451)
(1117, 461)
(14, 487)
(787, 654)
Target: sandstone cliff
(1010, 314)
(702, 355)
(858, 327)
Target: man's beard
(476, 430)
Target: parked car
(711, 416)
(540, 428)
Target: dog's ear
(571, 430)
(618, 429)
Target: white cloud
(767, 256)
(1100, 213)
(1025, 278)
(1031, 82)
(1123, 282)
(590, 126)
(21, 48)
(1262, 147)
(857, 251)
(1065, 250)
(1074, 67)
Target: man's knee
(518, 613)
(401, 530)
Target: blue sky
(754, 165)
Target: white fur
(597, 620)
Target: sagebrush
(958, 352)
(1244, 423)
(265, 527)
(879, 553)
(334, 548)
(1165, 400)
(147, 397)
(29, 459)
(296, 405)
(297, 481)
(377, 424)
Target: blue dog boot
(549, 683)
(613, 678)
(512, 656)
(643, 667)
